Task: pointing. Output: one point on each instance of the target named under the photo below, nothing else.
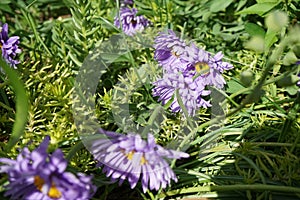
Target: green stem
(78, 146)
(238, 187)
(274, 144)
(31, 23)
(253, 165)
(157, 111)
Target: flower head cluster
(40, 176)
(130, 22)
(189, 90)
(9, 46)
(189, 70)
(132, 158)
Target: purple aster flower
(202, 64)
(131, 23)
(187, 69)
(168, 51)
(126, 2)
(132, 158)
(40, 176)
(190, 91)
(9, 46)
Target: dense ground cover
(80, 70)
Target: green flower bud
(288, 81)
(296, 50)
(289, 59)
(256, 43)
(276, 20)
(246, 78)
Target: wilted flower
(9, 46)
(190, 91)
(130, 22)
(40, 176)
(168, 51)
(132, 158)
(202, 64)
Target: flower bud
(296, 50)
(289, 58)
(276, 20)
(246, 78)
(288, 81)
(256, 43)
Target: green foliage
(250, 152)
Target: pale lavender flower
(202, 64)
(131, 23)
(168, 51)
(190, 91)
(40, 176)
(9, 46)
(132, 158)
(189, 70)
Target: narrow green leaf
(266, 1)
(32, 24)
(75, 59)
(5, 2)
(218, 5)
(259, 9)
(21, 105)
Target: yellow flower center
(174, 54)
(202, 68)
(130, 156)
(38, 182)
(53, 192)
(143, 161)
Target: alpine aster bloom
(168, 50)
(189, 70)
(131, 23)
(190, 91)
(9, 46)
(210, 69)
(40, 176)
(132, 158)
